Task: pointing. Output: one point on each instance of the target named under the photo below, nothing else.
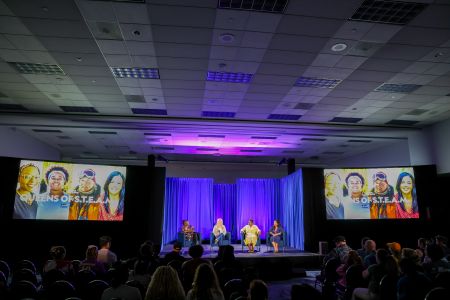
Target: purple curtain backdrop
(190, 199)
(202, 202)
(225, 206)
(260, 200)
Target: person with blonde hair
(205, 285)
(165, 284)
(219, 231)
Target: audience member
(174, 254)
(141, 272)
(205, 285)
(442, 241)
(340, 251)
(371, 253)
(118, 287)
(386, 265)
(258, 290)
(435, 262)
(395, 249)
(91, 262)
(105, 255)
(413, 285)
(165, 284)
(57, 260)
(362, 251)
(421, 246)
(352, 259)
(189, 267)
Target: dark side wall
(433, 208)
(32, 239)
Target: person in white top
(251, 233)
(219, 231)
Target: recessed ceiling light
(79, 59)
(154, 99)
(222, 65)
(44, 8)
(226, 38)
(339, 47)
(136, 33)
(439, 54)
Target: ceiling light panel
(146, 111)
(273, 6)
(317, 82)
(345, 120)
(41, 69)
(397, 88)
(229, 77)
(140, 73)
(218, 114)
(284, 117)
(390, 12)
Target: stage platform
(290, 262)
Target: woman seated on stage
(219, 231)
(189, 233)
(251, 233)
(275, 234)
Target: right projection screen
(378, 193)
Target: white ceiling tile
(112, 47)
(131, 91)
(231, 19)
(118, 60)
(263, 22)
(69, 45)
(353, 30)
(418, 67)
(96, 10)
(439, 69)
(131, 13)
(326, 60)
(11, 55)
(182, 16)
(13, 25)
(256, 39)
(351, 62)
(136, 32)
(66, 96)
(381, 33)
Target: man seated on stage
(251, 233)
(189, 233)
(219, 231)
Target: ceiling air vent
(345, 120)
(79, 109)
(211, 136)
(250, 150)
(273, 6)
(313, 139)
(390, 12)
(284, 117)
(147, 111)
(47, 130)
(402, 122)
(304, 106)
(16, 107)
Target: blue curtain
(191, 199)
(260, 200)
(264, 200)
(224, 204)
(292, 195)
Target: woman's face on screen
(115, 186)
(332, 184)
(406, 185)
(29, 178)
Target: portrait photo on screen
(64, 191)
(378, 193)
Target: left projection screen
(63, 191)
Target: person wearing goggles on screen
(85, 197)
(356, 204)
(382, 204)
(54, 203)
